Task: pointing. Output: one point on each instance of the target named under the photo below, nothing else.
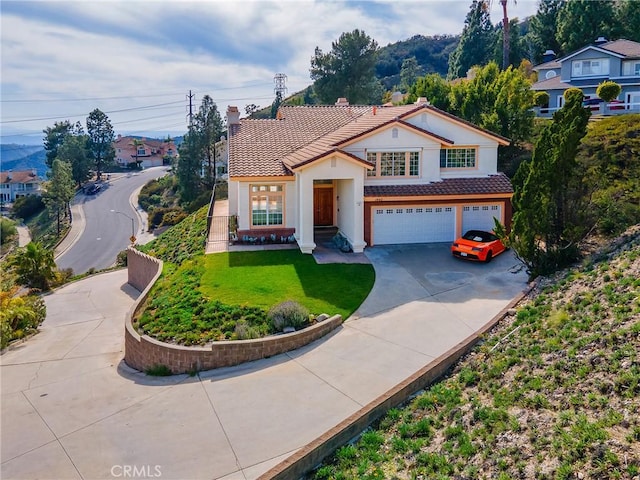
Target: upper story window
(457, 158)
(631, 68)
(141, 150)
(394, 164)
(596, 66)
(267, 205)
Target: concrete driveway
(71, 409)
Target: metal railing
(612, 108)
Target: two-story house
(147, 152)
(19, 183)
(380, 174)
(618, 61)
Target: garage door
(480, 217)
(413, 224)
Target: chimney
(600, 40)
(342, 102)
(422, 101)
(119, 137)
(548, 56)
(397, 97)
(34, 173)
(10, 175)
(374, 109)
(233, 116)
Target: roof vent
(342, 102)
(600, 40)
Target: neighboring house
(222, 158)
(19, 183)
(381, 174)
(618, 61)
(149, 153)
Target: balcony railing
(612, 108)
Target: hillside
(23, 157)
(552, 393)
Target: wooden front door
(322, 206)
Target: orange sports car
(478, 245)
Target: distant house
(148, 153)
(379, 174)
(618, 61)
(19, 183)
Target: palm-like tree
(34, 266)
(505, 34)
(136, 142)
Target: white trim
(591, 47)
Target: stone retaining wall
(143, 352)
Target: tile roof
(304, 133)
(554, 83)
(628, 48)
(19, 176)
(492, 184)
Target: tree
(251, 109)
(137, 143)
(628, 18)
(409, 73)
(434, 88)
(276, 104)
(34, 266)
(544, 25)
(348, 70)
(548, 199)
(506, 37)
(59, 190)
(207, 127)
(476, 42)
(55, 136)
(582, 21)
(189, 166)
(74, 151)
(515, 49)
(100, 142)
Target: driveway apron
(72, 409)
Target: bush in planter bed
(288, 314)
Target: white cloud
(154, 52)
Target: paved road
(71, 409)
(106, 233)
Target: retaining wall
(143, 352)
(311, 455)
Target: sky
(137, 60)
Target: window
(372, 159)
(414, 164)
(458, 158)
(394, 164)
(631, 68)
(394, 133)
(583, 68)
(267, 202)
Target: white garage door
(413, 224)
(480, 217)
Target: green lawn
(226, 296)
(265, 278)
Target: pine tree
(547, 198)
(581, 22)
(476, 43)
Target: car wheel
(489, 257)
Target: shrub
(541, 99)
(19, 315)
(158, 370)
(608, 91)
(572, 92)
(7, 230)
(173, 217)
(157, 216)
(25, 207)
(288, 314)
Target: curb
(311, 455)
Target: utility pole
(190, 97)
